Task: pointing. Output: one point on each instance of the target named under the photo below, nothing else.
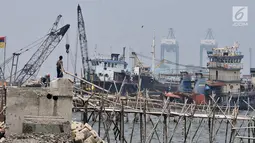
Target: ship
(223, 83)
(112, 75)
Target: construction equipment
(2, 76)
(170, 62)
(170, 45)
(160, 63)
(84, 51)
(207, 44)
(83, 44)
(33, 65)
(137, 62)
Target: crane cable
(68, 50)
(26, 48)
(170, 62)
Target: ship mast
(153, 54)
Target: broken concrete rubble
(38, 138)
(83, 133)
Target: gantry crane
(207, 44)
(35, 62)
(83, 44)
(170, 44)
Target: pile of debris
(38, 137)
(83, 133)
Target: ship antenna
(153, 54)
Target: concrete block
(39, 106)
(61, 87)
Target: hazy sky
(117, 23)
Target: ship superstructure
(109, 69)
(111, 73)
(225, 65)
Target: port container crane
(35, 62)
(83, 44)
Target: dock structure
(163, 121)
(127, 119)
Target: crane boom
(37, 59)
(83, 44)
(55, 24)
(2, 76)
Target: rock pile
(38, 138)
(83, 133)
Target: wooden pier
(172, 122)
(119, 119)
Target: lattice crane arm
(137, 61)
(83, 44)
(35, 62)
(2, 76)
(55, 24)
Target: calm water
(202, 135)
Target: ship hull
(154, 85)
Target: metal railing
(225, 65)
(225, 77)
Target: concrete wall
(39, 106)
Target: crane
(170, 62)
(160, 63)
(35, 62)
(83, 44)
(2, 77)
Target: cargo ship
(223, 83)
(113, 75)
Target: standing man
(60, 67)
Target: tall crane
(207, 44)
(83, 44)
(35, 62)
(2, 76)
(52, 30)
(170, 45)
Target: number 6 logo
(240, 13)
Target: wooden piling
(122, 123)
(141, 128)
(249, 141)
(85, 113)
(165, 129)
(99, 118)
